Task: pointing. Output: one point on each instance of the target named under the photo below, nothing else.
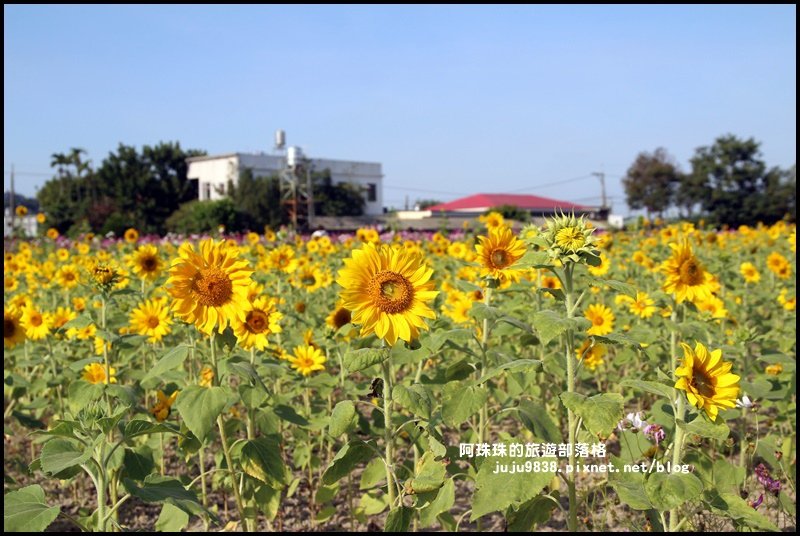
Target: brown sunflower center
(212, 287)
(391, 292)
(149, 264)
(598, 320)
(702, 383)
(341, 317)
(36, 320)
(69, 276)
(257, 321)
(500, 258)
(308, 280)
(153, 322)
(9, 328)
(691, 273)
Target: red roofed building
(480, 203)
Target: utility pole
(602, 176)
(11, 202)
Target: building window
(206, 191)
(372, 192)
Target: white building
(213, 174)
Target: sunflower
(282, 258)
(388, 292)
(21, 210)
(686, 277)
(602, 319)
(707, 380)
(52, 233)
(643, 306)
(749, 272)
(96, 373)
(209, 287)
(592, 354)
(498, 252)
(146, 263)
(492, 220)
(33, 322)
(307, 359)
(41, 218)
(10, 283)
(712, 305)
(67, 276)
(457, 250)
(151, 319)
(260, 320)
(13, 332)
(60, 317)
(206, 377)
(309, 277)
(602, 268)
(131, 236)
(82, 334)
(779, 265)
(104, 274)
(338, 318)
(161, 409)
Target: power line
(406, 189)
(549, 184)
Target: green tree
(740, 188)
(330, 199)
(651, 181)
(258, 200)
(511, 212)
(423, 204)
(67, 197)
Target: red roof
(527, 202)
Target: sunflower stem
(677, 445)
(387, 427)
(224, 438)
(572, 519)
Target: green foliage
(130, 188)
(511, 212)
(336, 199)
(205, 216)
(650, 181)
(25, 510)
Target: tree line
(728, 184)
(149, 189)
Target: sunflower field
(499, 378)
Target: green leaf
(173, 359)
(443, 502)
(79, 322)
(535, 418)
(629, 486)
(138, 427)
(461, 402)
(199, 407)
(655, 388)
(416, 399)
(252, 397)
(600, 413)
(398, 519)
(534, 512)
(429, 475)
(261, 459)
(25, 510)
(374, 473)
(534, 259)
(268, 501)
(618, 339)
(159, 489)
(517, 323)
(734, 507)
(496, 491)
(705, 428)
(348, 457)
(356, 360)
(670, 490)
(81, 393)
(549, 325)
(287, 413)
(138, 466)
(171, 519)
(59, 454)
(518, 365)
(343, 417)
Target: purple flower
(769, 483)
(656, 431)
(755, 504)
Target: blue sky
(451, 100)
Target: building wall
(214, 173)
